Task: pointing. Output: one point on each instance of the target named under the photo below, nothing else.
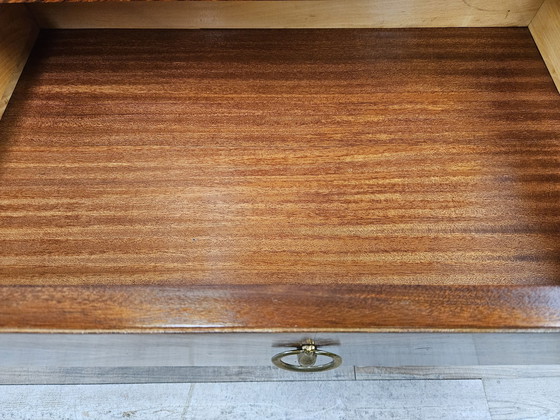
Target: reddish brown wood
(115, 1)
(278, 308)
(346, 179)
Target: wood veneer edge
(257, 308)
(545, 30)
(281, 14)
(18, 32)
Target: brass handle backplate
(307, 357)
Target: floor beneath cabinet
(491, 399)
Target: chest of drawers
(379, 177)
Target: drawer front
(106, 358)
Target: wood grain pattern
(545, 28)
(163, 374)
(281, 308)
(213, 374)
(516, 349)
(233, 350)
(288, 14)
(254, 349)
(405, 349)
(518, 399)
(414, 372)
(17, 35)
(387, 400)
(224, 169)
(137, 402)
(339, 400)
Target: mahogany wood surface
(107, 1)
(277, 308)
(270, 180)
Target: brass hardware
(307, 357)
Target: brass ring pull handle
(307, 356)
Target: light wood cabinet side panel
(545, 29)
(288, 14)
(18, 32)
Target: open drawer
(334, 184)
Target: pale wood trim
(288, 14)
(18, 32)
(545, 29)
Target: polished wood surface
(287, 14)
(545, 28)
(226, 179)
(18, 32)
(277, 308)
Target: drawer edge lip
(272, 332)
(272, 309)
